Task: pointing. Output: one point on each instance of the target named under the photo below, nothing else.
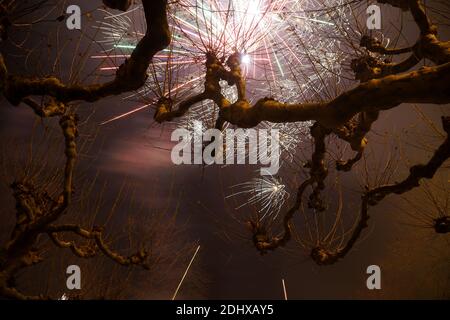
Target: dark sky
(412, 259)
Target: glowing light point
(245, 59)
(253, 9)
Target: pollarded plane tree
(347, 116)
(260, 34)
(308, 70)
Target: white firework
(268, 193)
(290, 136)
(117, 30)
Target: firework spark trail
(142, 107)
(185, 273)
(267, 192)
(290, 136)
(284, 289)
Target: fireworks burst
(289, 48)
(290, 136)
(290, 51)
(267, 192)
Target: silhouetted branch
(322, 256)
(131, 75)
(99, 244)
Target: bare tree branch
(131, 75)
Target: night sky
(136, 151)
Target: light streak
(284, 289)
(123, 115)
(126, 114)
(185, 273)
